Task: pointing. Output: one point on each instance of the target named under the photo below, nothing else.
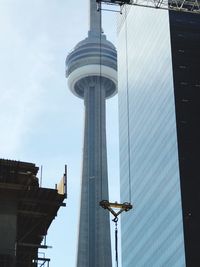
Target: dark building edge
(185, 45)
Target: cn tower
(91, 69)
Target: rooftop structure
(26, 212)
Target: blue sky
(41, 121)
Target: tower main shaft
(92, 71)
(94, 232)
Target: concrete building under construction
(26, 212)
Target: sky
(41, 120)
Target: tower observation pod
(91, 69)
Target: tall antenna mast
(94, 17)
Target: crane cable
(128, 105)
(127, 96)
(100, 93)
(115, 220)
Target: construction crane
(176, 5)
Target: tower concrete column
(91, 69)
(94, 234)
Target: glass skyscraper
(159, 86)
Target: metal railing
(24, 260)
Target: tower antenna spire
(94, 18)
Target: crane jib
(175, 5)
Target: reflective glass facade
(152, 233)
(185, 45)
